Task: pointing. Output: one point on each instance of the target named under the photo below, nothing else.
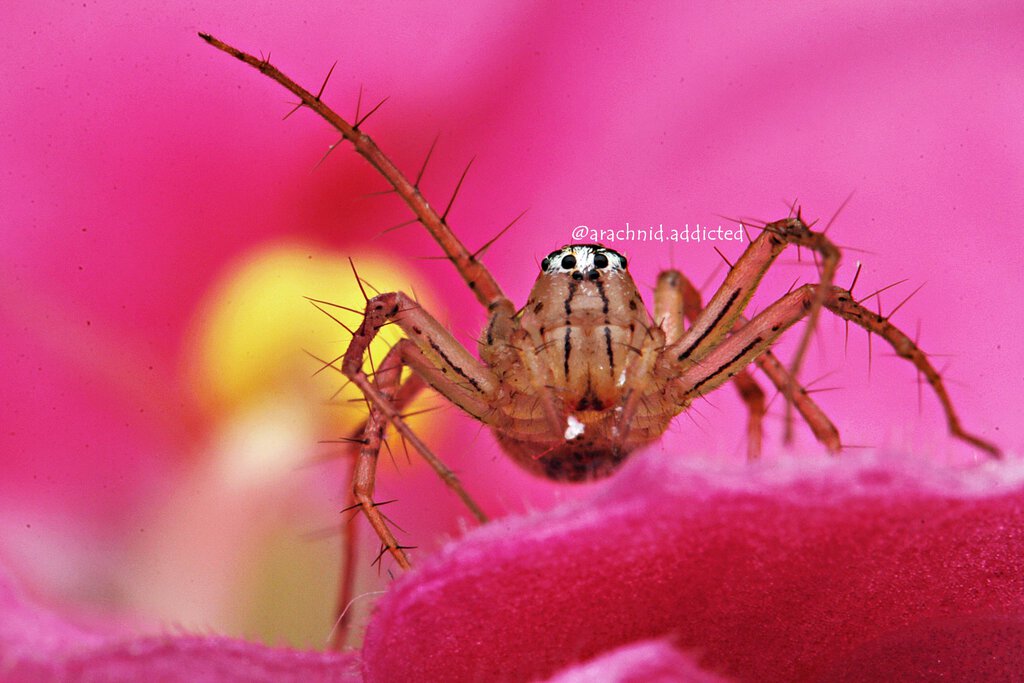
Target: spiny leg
(754, 338)
(386, 383)
(675, 298)
(476, 275)
(821, 426)
(674, 292)
(718, 318)
(448, 359)
(403, 354)
(479, 279)
(364, 436)
(442, 362)
(726, 307)
(753, 397)
(359, 439)
(385, 402)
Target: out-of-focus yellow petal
(258, 337)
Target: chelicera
(583, 374)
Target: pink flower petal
(781, 571)
(37, 645)
(971, 648)
(645, 662)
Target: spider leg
(675, 297)
(754, 338)
(363, 435)
(386, 382)
(476, 275)
(821, 426)
(753, 396)
(433, 354)
(726, 306)
(728, 303)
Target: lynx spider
(582, 375)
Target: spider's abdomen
(567, 461)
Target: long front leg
(754, 338)
(479, 279)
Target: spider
(583, 374)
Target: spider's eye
(600, 260)
(568, 261)
(545, 263)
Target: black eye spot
(577, 275)
(568, 261)
(600, 260)
(545, 263)
(593, 275)
(623, 260)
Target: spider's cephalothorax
(583, 374)
(588, 328)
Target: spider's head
(583, 261)
(583, 284)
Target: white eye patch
(582, 258)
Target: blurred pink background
(142, 167)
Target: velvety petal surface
(798, 570)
